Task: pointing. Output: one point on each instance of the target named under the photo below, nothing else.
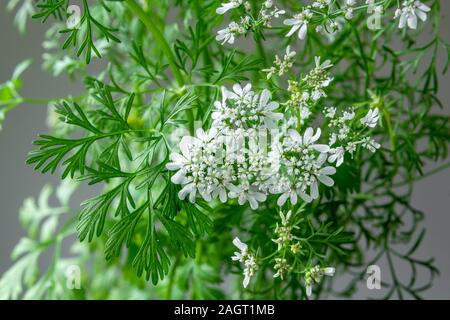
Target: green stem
(261, 51)
(159, 37)
(387, 118)
(425, 175)
(172, 278)
(198, 252)
(364, 58)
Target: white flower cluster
(229, 34)
(304, 94)
(267, 12)
(348, 9)
(234, 160)
(321, 4)
(281, 66)
(293, 166)
(282, 267)
(343, 139)
(318, 79)
(374, 7)
(217, 163)
(283, 231)
(408, 13)
(243, 109)
(247, 258)
(301, 167)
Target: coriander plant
(241, 149)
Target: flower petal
(239, 244)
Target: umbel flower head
(283, 231)
(229, 161)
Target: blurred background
(18, 180)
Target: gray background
(18, 181)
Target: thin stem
(387, 118)
(425, 175)
(172, 278)
(159, 37)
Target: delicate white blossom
(370, 144)
(410, 11)
(371, 118)
(321, 4)
(245, 193)
(318, 78)
(229, 34)
(268, 12)
(337, 155)
(243, 108)
(281, 66)
(228, 6)
(299, 23)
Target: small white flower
(370, 144)
(228, 6)
(266, 109)
(282, 267)
(409, 12)
(229, 34)
(240, 255)
(314, 275)
(243, 94)
(281, 66)
(322, 175)
(347, 115)
(371, 118)
(221, 192)
(250, 269)
(299, 23)
(180, 161)
(337, 155)
(324, 65)
(308, 139)
(330, 112)
(283, 231)
(351, 147)
(321, 4)
(270, 72)
(329, 271)
(348, 13)
(288, 194)
(268, 4)
(248, 194)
